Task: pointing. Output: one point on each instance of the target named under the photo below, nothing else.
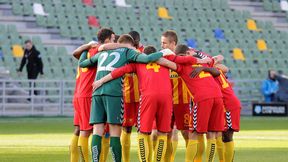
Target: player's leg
(73, 148)
(147, 109)
(220, 147)
(74, 153)
(85, 127)
(114, 111)
(192, 147)
(128, 122)
(163, 123)
(200, 148)
(105, 144)
(216, 125)
(232, 125)
(97, 118)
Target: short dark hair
(171, 35)
(103, 34)
(28, 41)
(149, 49)
(116, 38)
(126, 38)
(181, 49)
(135, 35)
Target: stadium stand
(250, 46)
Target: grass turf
(262, 139)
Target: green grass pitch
(39, 139)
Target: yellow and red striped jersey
(181, 94)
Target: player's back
(201, 87)
(153, 79)
(179, 88)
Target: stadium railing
(54, 97)
(36, 97)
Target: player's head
(126, 39)
(169, 40)
(116, 38)
(272, 74)
(136, 36)
(28, 44)
(105, 35)
(182, 49)
(149, 49)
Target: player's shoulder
(120, 50)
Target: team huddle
(121, 84)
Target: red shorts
(233, 119)
(158, 108)
(208, 115)
(182, 116)
(130, 114)
(83, 105)
(76, 116)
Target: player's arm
(85, 62)
(143, 58)
(77, 53)
(213, 71)
(117, 73)
(187, 59)
(111, 46)
(167, 63)
(222, 67)
(218, 59)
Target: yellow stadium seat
(251, 25)
(163, 13)
(238, 54)
(17, 50)
(261, 44)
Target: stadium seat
(163, 13)
(238, 54)
(17, 50)
(93, 21)
(251, 25)
(261, 45)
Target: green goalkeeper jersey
(107, 61)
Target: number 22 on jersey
(105, 65)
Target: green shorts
(106, 109)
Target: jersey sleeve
(129, 68)
(84, 62)
(190, 60)
(133, 55)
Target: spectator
(34, 62)
(270, 86)
(282, 93)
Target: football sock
(174, 148)
(160, 149)
(143, 147)
(104, 148)
(96, 147)
(210, 150)
(83, 148)
(169, 150)
(200, 148)
(150, 144)
(229, 151)
(125, 142)
(191, 150)
(74, 154)
(116, 149)
(220, 148)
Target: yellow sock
(229, 151)
(74, 153)
(191, 150)
(220, 148)
(150, 143)
(174, 148)
(169, 150)
(200, 148)
(105, 144)
(126, 143)
(210, 150)
(160, 149)
(83, 148)
(143, 147)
